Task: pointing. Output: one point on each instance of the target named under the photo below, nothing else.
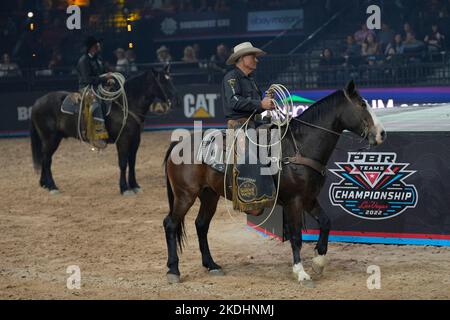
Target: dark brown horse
(49, 125)
(316, 132)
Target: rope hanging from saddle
(107, 94)
(284, 107)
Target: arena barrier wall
(200, 102)
(411, 169)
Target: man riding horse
(241, 100)
(89, 69)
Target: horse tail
(36, 147)
(180, 231)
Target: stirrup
(99, 144)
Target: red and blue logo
(373, 186)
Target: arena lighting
(30, 14)
(31, 26)
(129, 27)
(130, 45)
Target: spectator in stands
(8, 68)
(122, 64)
(392, 57)
(219, 59)
(373, 47)
(407, 29)
(385, 36)
(364, 49)
(163, 55)
(411, 43)
(435, 40)
(327, 76)
(413, 47)
(56, 63)
(361, 35)
(189, 55)
(397, 45)
(131, 57)
(351, 52)
(351, 48)
(197, 49)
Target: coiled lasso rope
(103, 94)
(283, 114)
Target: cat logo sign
(200, 105)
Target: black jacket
(89, 70)
(240, 95)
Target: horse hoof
(318, 264)
(128, 193)
(137, 190)
(173, 278)
(308, 284)
(217, 273)
(318, 270)
(54, 192)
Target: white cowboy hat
(243, 49)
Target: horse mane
(134, 84)
(319, 109)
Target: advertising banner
(383, 97)
(204, 102)
(275, 20)
(198, 23)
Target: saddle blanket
(71, 104)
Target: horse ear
(350, 88)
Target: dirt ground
(118, 242)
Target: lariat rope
(105, 94)
(283, 116)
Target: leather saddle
(71, 104)
(250, 189)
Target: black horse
(316, 133)
(49, 125)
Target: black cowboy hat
(90, 42)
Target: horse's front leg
(320, 261)
(294, 212)
(131, 165)
(123, 151)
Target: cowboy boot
(100, 134)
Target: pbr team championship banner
(396, 193)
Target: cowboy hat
(162, 49)
(90, 41)
(243, 49)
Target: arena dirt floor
(118, 242)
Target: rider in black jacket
(89, 69)
(241, 95)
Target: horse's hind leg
(319, 262)
(208, 206)
(174, 228)
(48, 148)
